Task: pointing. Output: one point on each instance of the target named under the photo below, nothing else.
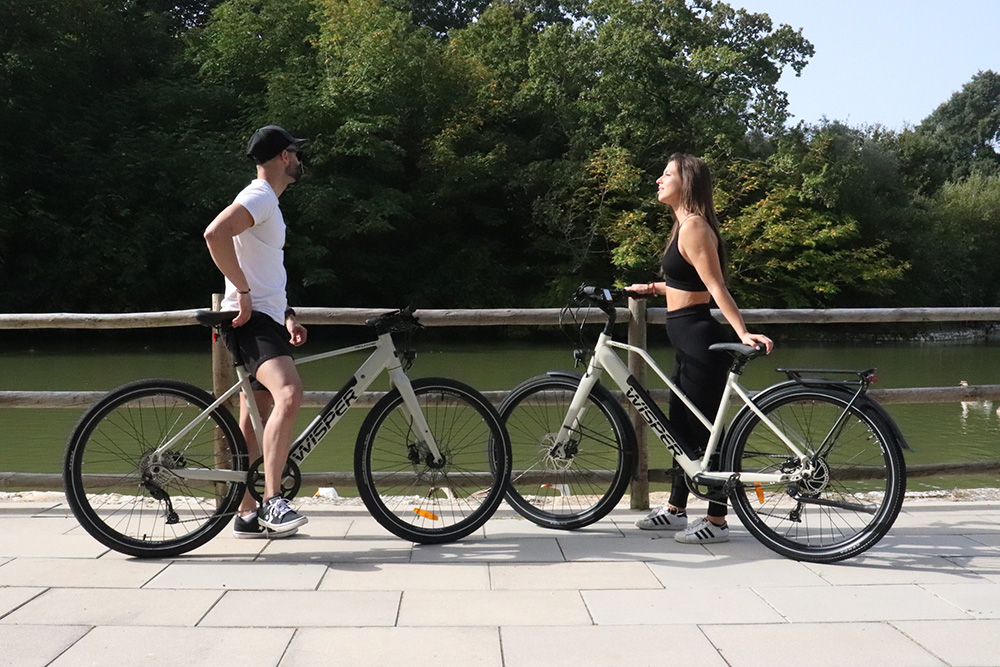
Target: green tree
(956, 245)
(101, 141)
(959, 138)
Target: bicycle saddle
(739, 350)
(216, 318)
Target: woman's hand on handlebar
(757, 340)
(641, 290)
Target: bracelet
(652, 288)
(289, 312)
(246, 291)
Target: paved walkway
(346, 592)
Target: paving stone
(224, 548)
(300, 609)
(960, 519)
(406, 576)
(47, 537)
(722, 572)
(600, 646)
(874, 569)
(957, 642)
(528, 550)
(492, 608)
(632, 547)
(826, 645)
(239, 576)
(977, 600)
(835, 604)
(78, 573)
(378, 647)
(721, 605)
(516, 527)
(987, 567)
(325, 550)
(177, 647)
(572, 576)
(114, 606)
(929, 544)
(36, 645)
(13, 597)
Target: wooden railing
(637, 316)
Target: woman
(692, 277)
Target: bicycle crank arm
(840, 504)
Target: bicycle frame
(383, 358)
(605, 359)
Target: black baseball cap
(267, 142)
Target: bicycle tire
(860, 474)
(566, 488)
(406, 492)
(131, 504)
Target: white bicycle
(812, 466)
(157, 467)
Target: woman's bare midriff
(677, 298)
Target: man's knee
(288, 395)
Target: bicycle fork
(411, 408)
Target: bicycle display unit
(158, 467)
(813, 466)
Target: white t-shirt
(260, 250)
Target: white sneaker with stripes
(664, 519)
(703, 531)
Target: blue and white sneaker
(249, 528)
(278, 516)
(664, 519)
(703, 531)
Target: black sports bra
(678, 273)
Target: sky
(888, 62)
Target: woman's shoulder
(695, 227)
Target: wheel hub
(818, 479)
(155, 468)
(558, 456)
(418, 454)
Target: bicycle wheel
(572, 484)
(410, 494)
(856, 489)
(129, 499)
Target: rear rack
(862, 378)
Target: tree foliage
(466, 153)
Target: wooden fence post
(636, 365)
(223, 375)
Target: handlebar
(604, 299)
(395, 321)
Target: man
(246, 242)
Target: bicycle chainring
(291, 480)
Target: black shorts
(260, 339)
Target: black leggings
(701, 375)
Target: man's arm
(234, 220)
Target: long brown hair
(696, 196)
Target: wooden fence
(637, 316)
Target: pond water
(33, 440)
